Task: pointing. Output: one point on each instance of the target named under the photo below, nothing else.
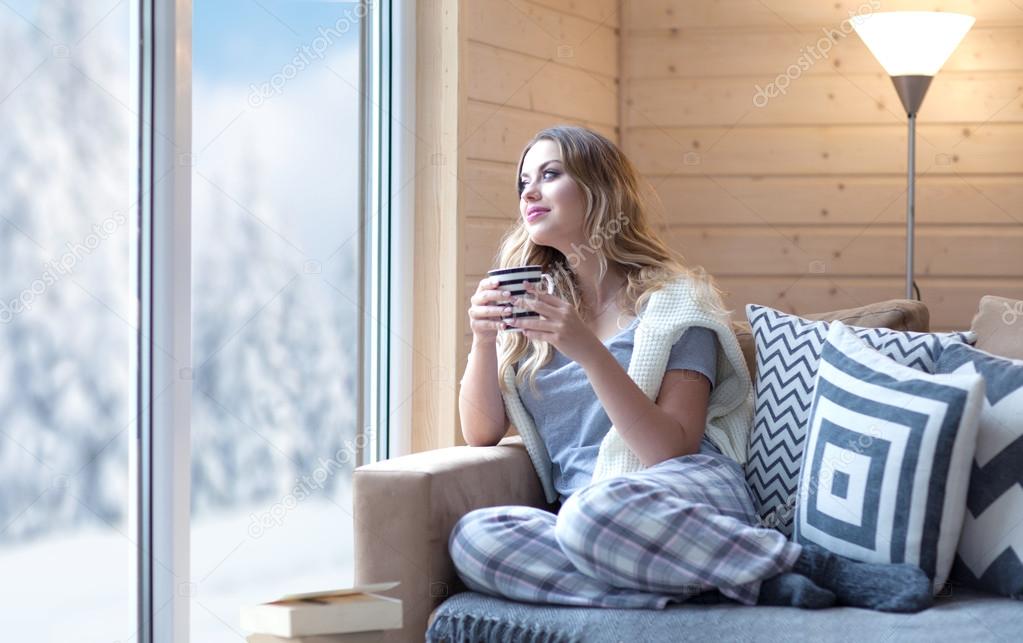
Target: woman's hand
(561, 325)
(487, 309)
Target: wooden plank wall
(527, 65)
(437, 263)
(798, 200)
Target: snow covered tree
(274, 346)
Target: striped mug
(511, 280)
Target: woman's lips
(532, 216)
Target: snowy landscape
(275, 314)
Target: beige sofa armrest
(405, 508)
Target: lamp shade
(912, 43)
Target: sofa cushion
(788, 351)
(991, 548)
(887, 458)
(896, 314)
(964, 615)
(999, 326)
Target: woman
(647, 463)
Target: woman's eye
(523, 183)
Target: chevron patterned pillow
(990, 555)
(887, 458)
(788, 352)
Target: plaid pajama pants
(639, 540)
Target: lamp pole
(910, 205)
(911, 91)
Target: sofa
(405, 509)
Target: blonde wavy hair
(619, 231)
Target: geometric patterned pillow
(887, 459)
(990, 555)
(788, 352)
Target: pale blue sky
(305, 137)
(247, 38)
(243, 40)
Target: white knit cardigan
(667, 314)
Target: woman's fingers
(488, 324)
(543, 308)
(490, 311)
(487, 303)
(489, 296)
(540, 295)
(532, 323)
(487, 283)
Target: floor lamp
(911, 46)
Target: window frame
(390, 190)
(163, 283)
(161, 452)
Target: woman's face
(552, 204)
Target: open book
(355, 609)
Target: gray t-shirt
(572, 421)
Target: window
(67, 320)
(277, 273)
(260, 368)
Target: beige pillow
(999, 326)
(896, 314)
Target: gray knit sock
(794, 590)
(886, 588)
